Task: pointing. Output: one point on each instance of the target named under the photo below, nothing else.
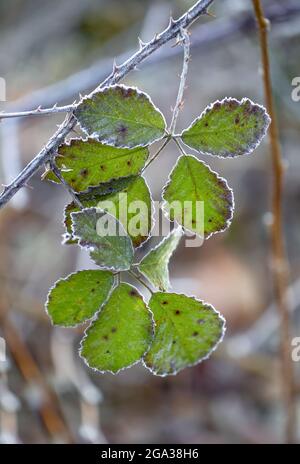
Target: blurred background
(49, 52)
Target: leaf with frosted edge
(121, 116)
(78, 297)
(155, 265)
(136, 189)
(228, 128)
(88, 163)
(109, 251)
(89, 199)
(186, 332)
(121, 334)
(190, 181)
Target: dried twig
(185, 39)
(280, 263)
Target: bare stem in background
(280, 266)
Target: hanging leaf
(121, 334)
(121, 116)
(86, 164)
(131, 201)
(228, 128)
(155, 265)
(112, 251)
(78, 297)
(192, 181)
(186, 332)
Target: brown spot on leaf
(84, 172)
(133, 293)
(126, 93)
(122, 130)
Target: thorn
(208, 13)
(45, 173)
(141, 43)
(115, 67)
(178, 41)
(172, 22)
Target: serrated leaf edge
(208, 354)
(66, 236)
(174, 231)
(86, 140)
(95, 318)
(66, 279)
(126, 87)
(220, 178)
(252, 146)
(90, 248)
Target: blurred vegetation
(46, 392)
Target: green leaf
(78, 297)
(112, 251)
(155, 265)
(136, 190)
(193, 181)
(228, 128)
(121, 334)
(86, 164)
(121, 116)
(186, 332)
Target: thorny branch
(119, 72)
(280, 263)
(185, 40)
(204, 36)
